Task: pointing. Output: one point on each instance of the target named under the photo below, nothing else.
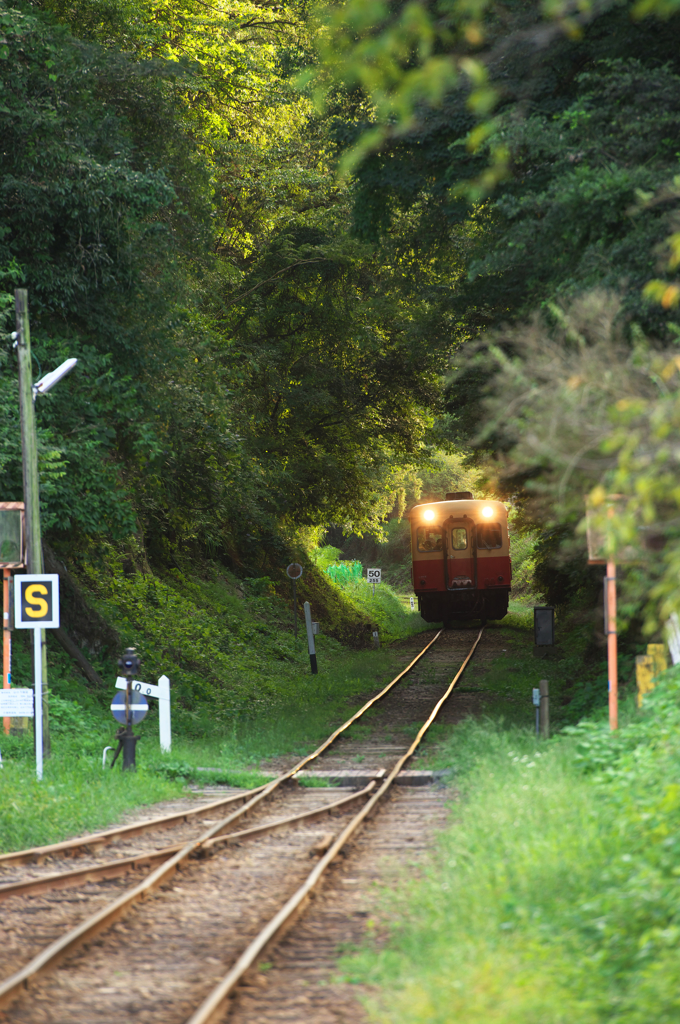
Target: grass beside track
(78, 795)
(553, 895)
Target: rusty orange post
(612, 649)
(6, 641)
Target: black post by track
(129, 738)
(127, 741)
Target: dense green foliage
(538, 147)
(264, 347)
(246, 367)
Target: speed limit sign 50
(374, 575)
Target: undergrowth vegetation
(553, 895)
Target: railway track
(278, 872)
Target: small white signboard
(16, 703)
(162, 694)
(374, 575)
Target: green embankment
(553, 895)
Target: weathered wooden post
(29, 448)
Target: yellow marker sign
(36, 601)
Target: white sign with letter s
(36, 601)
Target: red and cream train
(461, 558)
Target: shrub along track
(168, 954)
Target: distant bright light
(487, 511)
(428, 514)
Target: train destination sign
(36, 601)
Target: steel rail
(213, 1007)
(116, 868)
(47, 959)
(37, 853)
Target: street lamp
(28, 392)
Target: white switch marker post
(162, 695)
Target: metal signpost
(128, 708)
(374, 576)
(413, 604)
(162, 695)
(36, 607)
(294, 572)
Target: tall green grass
(75, 795)
(553, 896)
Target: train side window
(459, 538)
(489, 536)
(429, 538)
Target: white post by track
(36, 607)
(310, 638)
(37, 663)
(162, 695)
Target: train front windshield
(429, 538)
(489, 536)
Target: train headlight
(487, 511)
(428, 515)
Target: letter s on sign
(40, 609)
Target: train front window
(489, 536)
(429, 538)
(459, 538)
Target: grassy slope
(553, 896)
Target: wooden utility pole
(29, 448)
